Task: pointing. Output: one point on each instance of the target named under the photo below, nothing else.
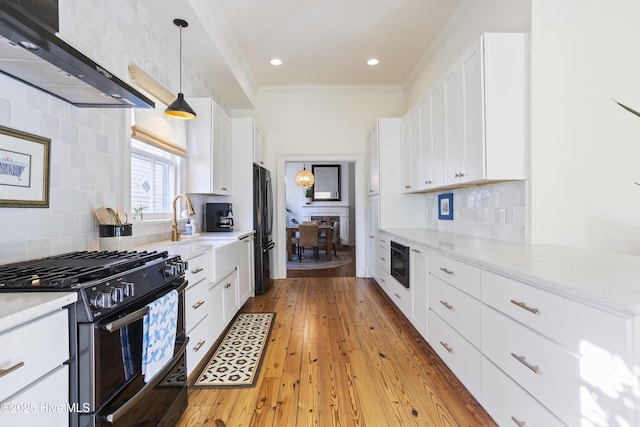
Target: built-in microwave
(400, 263)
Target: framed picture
(445, 206)
(24, 169)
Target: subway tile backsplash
(496, 211)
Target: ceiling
(322, 42)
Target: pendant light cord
(180, 58)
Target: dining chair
(308, 238)
(335, 237)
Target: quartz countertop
(196, 242)
(606, 280)
(17, 308)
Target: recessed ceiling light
(373, 61)
(276, 61)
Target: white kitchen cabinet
(209, 156)
(431, 140)
(258, 146)
(419, 282)
(485, 112)
(373, 161)
(246, 277)
(410, 150)
(230, 295)
(197, 305)
(372, 234)
(31, 365)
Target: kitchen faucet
(174, 228)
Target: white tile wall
(87, 145)
(497, 211)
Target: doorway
(338, 178)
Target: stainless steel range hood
(31, 52)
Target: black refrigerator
(262, 224)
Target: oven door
(110, 351)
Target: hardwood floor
(340, 354)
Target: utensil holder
(116, 237)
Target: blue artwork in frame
(445, 206)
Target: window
(153, 179)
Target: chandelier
(304, 178)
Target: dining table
(324, 231)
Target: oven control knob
(101, 300)
(117, 293)
(170, 269)
(129, 289)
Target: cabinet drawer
(459, 355)
(458, 309)
(198, 267)
(383, 259)
(200, 341)
(549, 372)
(457, 273)
(37, 405)
(508, 404)
(570, 323)
(196, 304)
(400, 296)
(33, 350)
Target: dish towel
(159, 328)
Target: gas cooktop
(62, 272)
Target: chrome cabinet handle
(446, 270)
(383, 281)
(446, 346)
(415, 250)
(398, 296)
(383, 259)
(459, 175)
(523, 360)
(224, 188)
(197, 270)
(428, 181)
(199, 345)
(525, 306)
(446, 304)
(7, 371)
(197, 305)
(518, 422)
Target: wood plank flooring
(340, 354)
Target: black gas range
(116, 291)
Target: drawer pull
(7, 371)
(518, 422)
(446, 304)
(446, 270)
(198, 304)
(199, 345)
(525, 306)
(446, 346)
(523, 360)
(382, 259)
(398, 296)
(383, 281)
(227, 286)
(197, 270)
(415, 250)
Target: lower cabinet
(230, 295)
(35, 378)
(200, 341)
(419, 283)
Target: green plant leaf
(629, 109)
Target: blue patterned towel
(159, 334)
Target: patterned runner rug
(236, 362)
(309, 262)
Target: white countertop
(606, 280)
(21, 307)
(196, 242)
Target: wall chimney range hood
(31, 52)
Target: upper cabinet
(209, 149)
(471, 126)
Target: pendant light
(179, 109)
(304, 178)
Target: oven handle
(135, 316)
(126, 320)
(114, 416)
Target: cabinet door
(373, 160)
(222, 152)
(419, 290)
(200, 147)
(431, 117)
(216, 312)
(452, 125)
(245, 270)
(473, 137)
(372, 233)
(410, 152)
(258, 140)
(230, 296)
